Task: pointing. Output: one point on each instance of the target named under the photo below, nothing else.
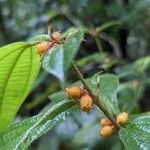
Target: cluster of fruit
(79, 94)
(43, 47)
(86, 104)
(107, 126)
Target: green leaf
(93, 58)
(51, 14)
(127, 98)
(87, 135)
(53, 62)
(136, 69)
(41, 38)
(20, 135)
(58, 96)
(142, 64)
(19, 66)
(107, 25)
(55, 98)
(106, 87)
(59, 58)
(136, 136)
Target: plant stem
(94, 96)
(98, 44)
(106, 25)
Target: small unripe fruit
(74, 92)
(56, 36)
(105, 122)
(122, 118)
(86, 103)
(43, 47)
(106, 131)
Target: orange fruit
(73, 92)
(86, 103)
(122, 118)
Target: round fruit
(43, 47)
(105, 122)
(73, 92)
(86, 103)
(106, 131)
(122, 118)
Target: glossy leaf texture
(19, 66)
(20, 135)
(58, 59)
(105, 85)
(136, 136)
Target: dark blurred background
(122, 45)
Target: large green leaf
(136, 136)
(19, 66)
(106, 87)
(59, 58)
(20, 135)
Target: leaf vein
(8, 78)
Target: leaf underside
(21, 134)
(58, 59)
